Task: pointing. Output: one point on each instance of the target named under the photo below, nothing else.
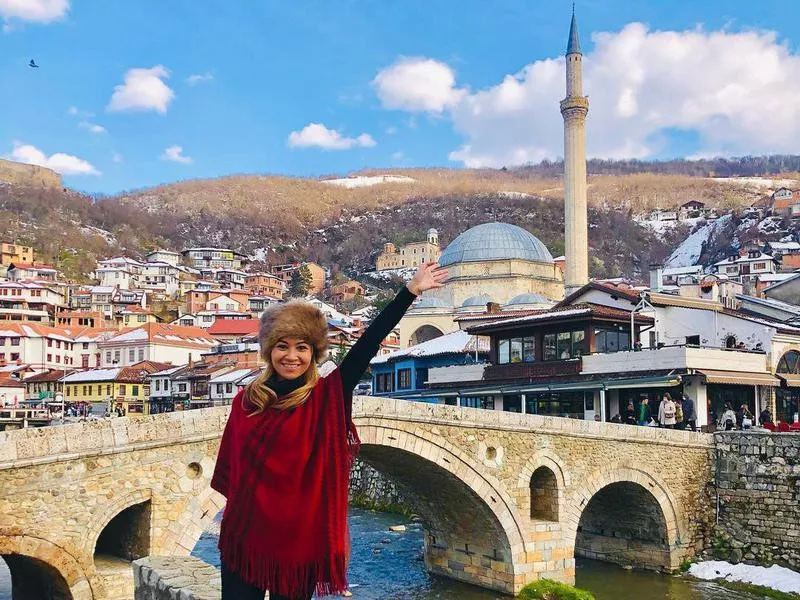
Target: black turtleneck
(357, 359)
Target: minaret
(574, 109)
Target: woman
(728, 419)
(284, 460)
(630, 414)
(666, 412)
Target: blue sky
(382, 84)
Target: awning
(576, 385)
(643, 382)
(739, 378)
(790, 380)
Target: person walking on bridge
(284, 459)
(666, 412)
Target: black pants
(233, 588)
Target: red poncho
(285, 475)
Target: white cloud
(319, 136)
(92, 127)
(117, 157)
(173, 154)
(417, 84)
(74, 111)
(391, 130)
(200, 78)
(39, 11)
(66, 164)
(735, 91)
(144, 89)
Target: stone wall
(372, 489)
(175, 578)
(758, 484)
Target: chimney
(493, 308)
(656, 277)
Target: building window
(220, 387)
(141, 354)
(517, 350)
(15, 341)
(228, 388)
(404, 379)
(134, 390)
(49, 343)
(421, 377)
(122, 390)
(116, 356)
(108, 390)
(384, 382)
(131, 355)
(85, 361)
(85, 345)
(692, 340)
(607, 340)
(549, 349)
(66, 391)
(14, 356)
(759, 266)
(166, 384)
(90, 390)
(503, 352)
(158, 385)
(49, 358)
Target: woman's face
(291, 357)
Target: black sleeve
(357, 359)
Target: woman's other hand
(429, 276)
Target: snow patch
(764, 182)
(407, 274)
(514, 195)
(366, 181)
(775, 577)
(109, 237)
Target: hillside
(29, 175)
(343, 222)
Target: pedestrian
(644, 411)
(630, 414)
(285, 456)
(666, 412)
(728, 419)
(678, 414)
(689, 415)
(765, 417)
(744, 417)
(617, 418)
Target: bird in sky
(33, 64)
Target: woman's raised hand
(429, 276)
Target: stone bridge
(505, 498)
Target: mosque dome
(495, 241)
(431, 302)
(528, 299)
(477, 301)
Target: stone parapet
(175, 578)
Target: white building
(156, 342)
(29, 301)
(223, 388)
(165, 256)
(746, 269)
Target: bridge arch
(111, 511)
(47, 570)
(633, 512)
(467, 513)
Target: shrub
(547, 589)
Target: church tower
(574, 109)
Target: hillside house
(746, 269)
(344, 292)
(265, 285)
(20, 271)
(214, 258)
(156, 342)
(410, 255)
(29, 302)
(286, 271)
(12, 252)
(691, 210)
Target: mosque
(502, 267)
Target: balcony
(676, 357)
(555, 368)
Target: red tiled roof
(626, 292)
(31, 266)
(133, 373)
(52, 375)
(234, 327)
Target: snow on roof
(101, 289)
(167, 372)
(231, 376)
(785, 306)
(366, 181)
(741, 259)
(457, 342)
(785, 245)
(131, 335)
(774, 276)
(93, 375)
(683, 270)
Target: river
(388, 566)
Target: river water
(388, 566)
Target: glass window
(512, 403)
(108, 357)
(421, 377)
(624, 340)
(122, 390)
(116, 356)
(131, 355)
(578, 346)
(403, 379)
(134, 390)
(529, 350)
(220, 387)
(228, 388)
(550, 347)
(564, 345)
(141, 354)
(516, 350)
(503, 348)
(158, 385)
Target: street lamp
(59, 397)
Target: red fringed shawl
(285, 475)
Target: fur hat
(294, 319)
